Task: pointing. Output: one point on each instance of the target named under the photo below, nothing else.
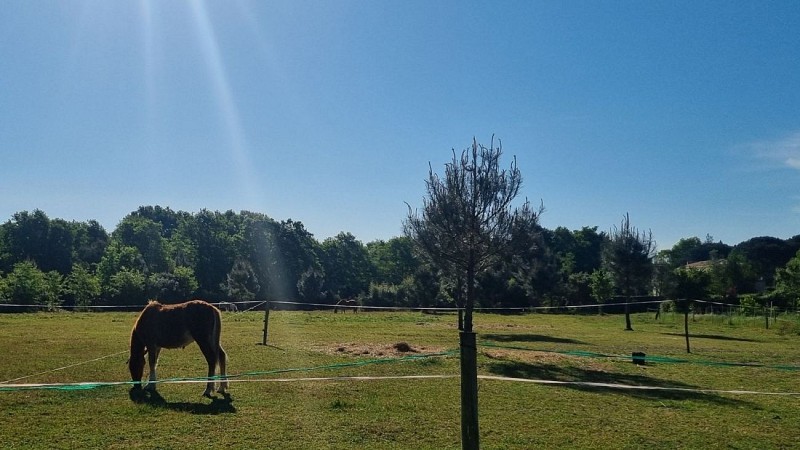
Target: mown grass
(398, 413)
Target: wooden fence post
(766, 316)
(469, 391)
(266, 323)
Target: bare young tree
(467, 218)
(465, 225)
(629, 257)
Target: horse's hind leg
(223, 359)
(211, 353)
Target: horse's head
(136, 360)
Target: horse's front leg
(152, 359)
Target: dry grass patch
(374, 350)
(515, 327)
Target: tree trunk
(470, 296)
(459, 295)
(686, 325)
(628, 326)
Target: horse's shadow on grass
(154, 399)
(712, 336)
(529, 338)
(667, 389)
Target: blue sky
(684, 114)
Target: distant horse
(173, 326)
(345, 304)
(227, 306)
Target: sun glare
(239, 147)
(222, 91)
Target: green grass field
(407, 413)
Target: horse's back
(202, 319)
(174, 326)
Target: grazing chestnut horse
(345, 304)
(172, 326)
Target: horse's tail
(217, 333)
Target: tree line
(157, 253)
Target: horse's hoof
(208, 394)
(137, 394)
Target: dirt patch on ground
(396, 350)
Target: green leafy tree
(27, 285)
(662, 275)
(629, 258)
(82, 287)
(787, 281)
(766, 254)
(90, 243)
(689, 285)
(300, 256)
(127, 287)
(242, 283)
(526, 260)
(59, 251)
(580, 250)
(6, 259)
(310, 285)
(689, 250)
(577, 253)
(393, 260)
(146, 236)
(168, 219)
(425, 289)
(181, 251)
(602, 286)
(34, 237)
(257, 246)
(119, 257)
(214, 237)
(348, 270)
(26, 236)
(536, 265)
(172, 287)
(740, 272)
